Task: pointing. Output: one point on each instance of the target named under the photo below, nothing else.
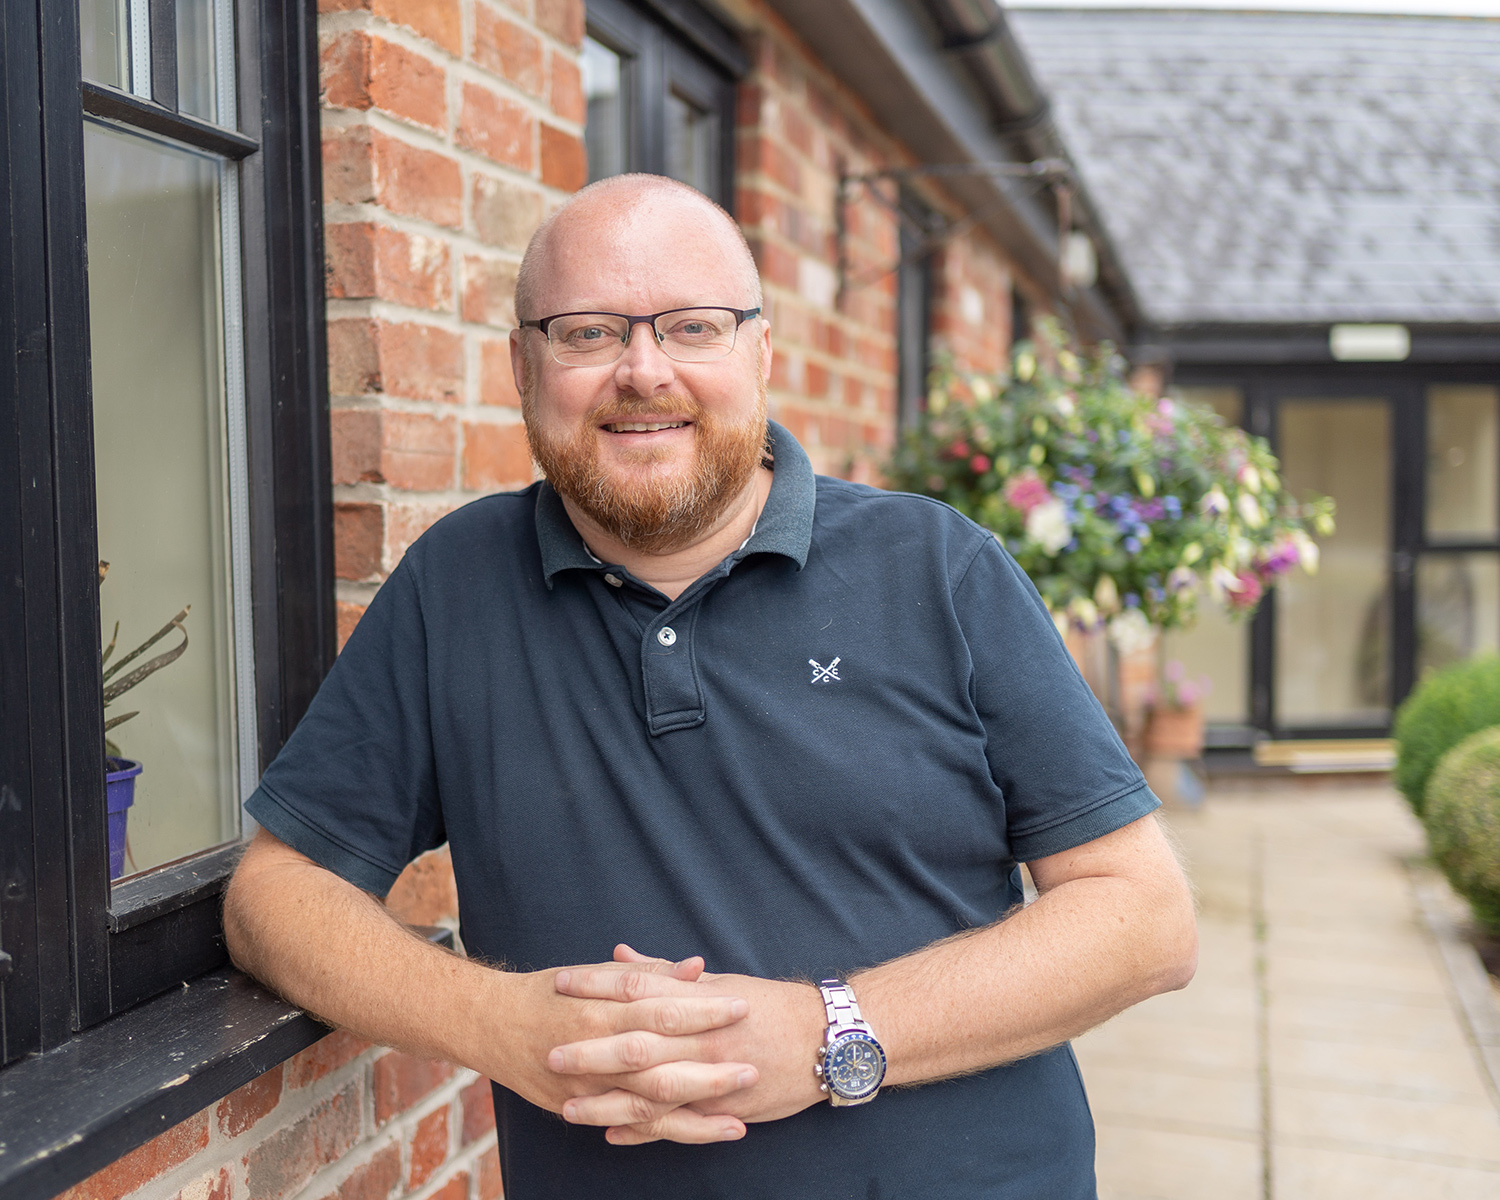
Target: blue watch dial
(854, 1065)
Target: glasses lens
(581, 339)
(697, 334)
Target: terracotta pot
(1175, 732)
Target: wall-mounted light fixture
(1369, 343)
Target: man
(685, 700)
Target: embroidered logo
(822, 674)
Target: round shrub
(1440, 713)
(1463, 822)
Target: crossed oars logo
(822, 674)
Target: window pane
(692, 145)
(1216, 649)
(1463, 445)
(103, 34)
(197, 77)
(155, 312)
(1333, 628)
(1458, 608)
(607, 134)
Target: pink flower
(979, 464)
(1025, 491)
(1248, 594)
(959, 449)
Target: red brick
(565, 162)
(374, 1180)
(509, 50)
(286, 1160)
(344, 71)
(498, 128)
(497, 384)
(563, 19)
(348, 166)
(413, 269)
(429, 1147)
(489, 1176)
(407, 84)
(505, 214)
(421, 362)
(356, 445)
(436, 20)
(489, 291)
(144, 1163)
(353, 357)
(403, 1079)
(243, 1107)
(456, 1188)
(796, 129)
(340, 1047)
(817, 380)
(349, 259)
(416, 182)
(496, 456)
(567, 89)
(478, 1100)
(405, 523)
(418, 451)
(424, 893)
(358, 534)
(215, 1185)
(347, 616)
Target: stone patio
(1324, 1049)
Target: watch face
(854, 1065)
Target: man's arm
(1112, 925)
(333, 949)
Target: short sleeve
(355, 786)
(1066, 776)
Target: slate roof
(1258, 167)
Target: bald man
(737, 765)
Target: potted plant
(1174, 715)
(120, 772)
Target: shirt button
(666, 635)
(613, 580)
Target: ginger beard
(661, 509)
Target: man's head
(637, 244)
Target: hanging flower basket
(119, 795)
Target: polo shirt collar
(785, 525)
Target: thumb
(688, 969)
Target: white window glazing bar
(140, 48)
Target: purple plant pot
(119, 795)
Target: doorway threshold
(1329, 757)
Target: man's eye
(589, 333)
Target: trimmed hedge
(1463, 822)
(1440, 713)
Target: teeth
(643, 426)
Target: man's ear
(765, 350)
(520, 365)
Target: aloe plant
(115, 687)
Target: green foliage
(1463, 822)
(1118, 505)
(1444, 709)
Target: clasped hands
(674, 1052)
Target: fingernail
(745, 1078)
(738, 1008)
(731, 1133)
(562, 980)
(570, 1112)
(555, 1060)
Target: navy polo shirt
(830, 750)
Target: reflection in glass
(196, 69)
(692, 144)
(1463, 461)
(1216, 647)
(1333, 628)
(103, 39)
(156, 324)
(1458, 608)
(606, 136)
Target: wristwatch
(851, 1062)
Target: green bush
(1463, 822)
(1444, 710)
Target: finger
(679, 1125)
(650, 1036)
(621, 982)
(648, 1095)
(688, 969)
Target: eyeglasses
(596, 339)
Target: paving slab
(1324, 1050)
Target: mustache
(629, 406)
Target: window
(920, 226)
(164, 412)
(659, 80)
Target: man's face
(655, 489)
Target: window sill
(77, 1108)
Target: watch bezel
(845, 1038)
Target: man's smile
(643, 426)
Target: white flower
(1130, 631)
(1307, 552)
(1214, 502)
(1222, 581)
(1182, 579)
(1106, 594)
(1249, 509)
(1047, 526)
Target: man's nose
(642, 365)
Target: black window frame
(672, 46)
(77, 949)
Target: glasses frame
(543, 324)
